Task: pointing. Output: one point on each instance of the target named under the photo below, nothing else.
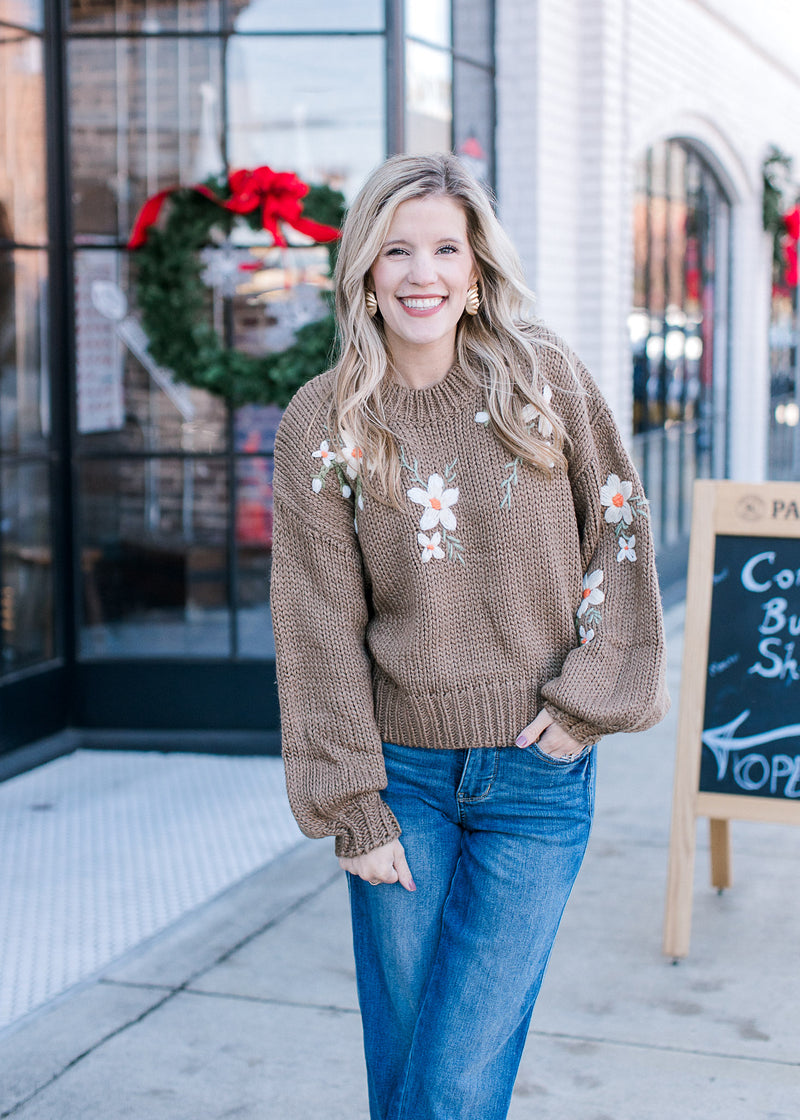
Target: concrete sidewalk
(246, 1007)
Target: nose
(422, 270)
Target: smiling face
(421, 276)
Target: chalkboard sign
(738, 750)
(751, 726)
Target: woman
(464, 600)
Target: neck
(420, 370)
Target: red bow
(791, 222)
(789, 277)
(276, 193)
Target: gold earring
(473, 299)
(372, 303)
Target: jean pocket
(552, 761)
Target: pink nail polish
(413, 885)
(521, 741)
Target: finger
(403, 870)
(558, 743)
(532, 732)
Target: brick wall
(584, 88)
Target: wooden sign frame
(770, 509)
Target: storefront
(679, 331)
(134, 512)
(135, 516)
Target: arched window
(679, 331)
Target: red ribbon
(276, 193)
(791, 223)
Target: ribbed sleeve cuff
(369, 824)
(583, 733)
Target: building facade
(625, 143)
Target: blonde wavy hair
(493, 347)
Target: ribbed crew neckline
(442, 398)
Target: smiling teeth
(422, 304)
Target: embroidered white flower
(352, 458)
(627, 548)
(591, 594)
(326, 454)
(316, 485)
(616, 494)
(431, 549)
(346, 491)
(530, 413)
(482, 418)
(437, 502)
(586, 634)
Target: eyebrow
(403, 241)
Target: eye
(448, 249)
(391, 252)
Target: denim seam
(464, 799)
(559, 763)
(400, 1096)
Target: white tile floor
(101, 849)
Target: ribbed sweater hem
(484, 714)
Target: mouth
(421, 303)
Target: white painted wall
(584, 88)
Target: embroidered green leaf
(509, 482)
(454, 546)
(413, 471)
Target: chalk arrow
(720, 740)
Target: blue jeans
(448, 975)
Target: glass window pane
(144, 15)
(254, 541)
(26, 597)
(126, 402)
(144, 115)
(473, 118)
(23, 215)
(309, 15)
(25, 13)
(429, 113)
(472, 29)
(24, 372)
(429, 19)
(154, 558)
(300, 105)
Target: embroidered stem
(413, 471)
(592, 616)
(509, 482)
(453, 545)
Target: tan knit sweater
(451, 623)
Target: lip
(422, 312)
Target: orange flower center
(430, 546)
(357, 453)
(618, 501)
(435, 503)
(586, 592)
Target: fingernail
(413, 886)
(521, 741)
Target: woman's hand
(386, 864)
(551, 737)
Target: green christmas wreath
(174, 301)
